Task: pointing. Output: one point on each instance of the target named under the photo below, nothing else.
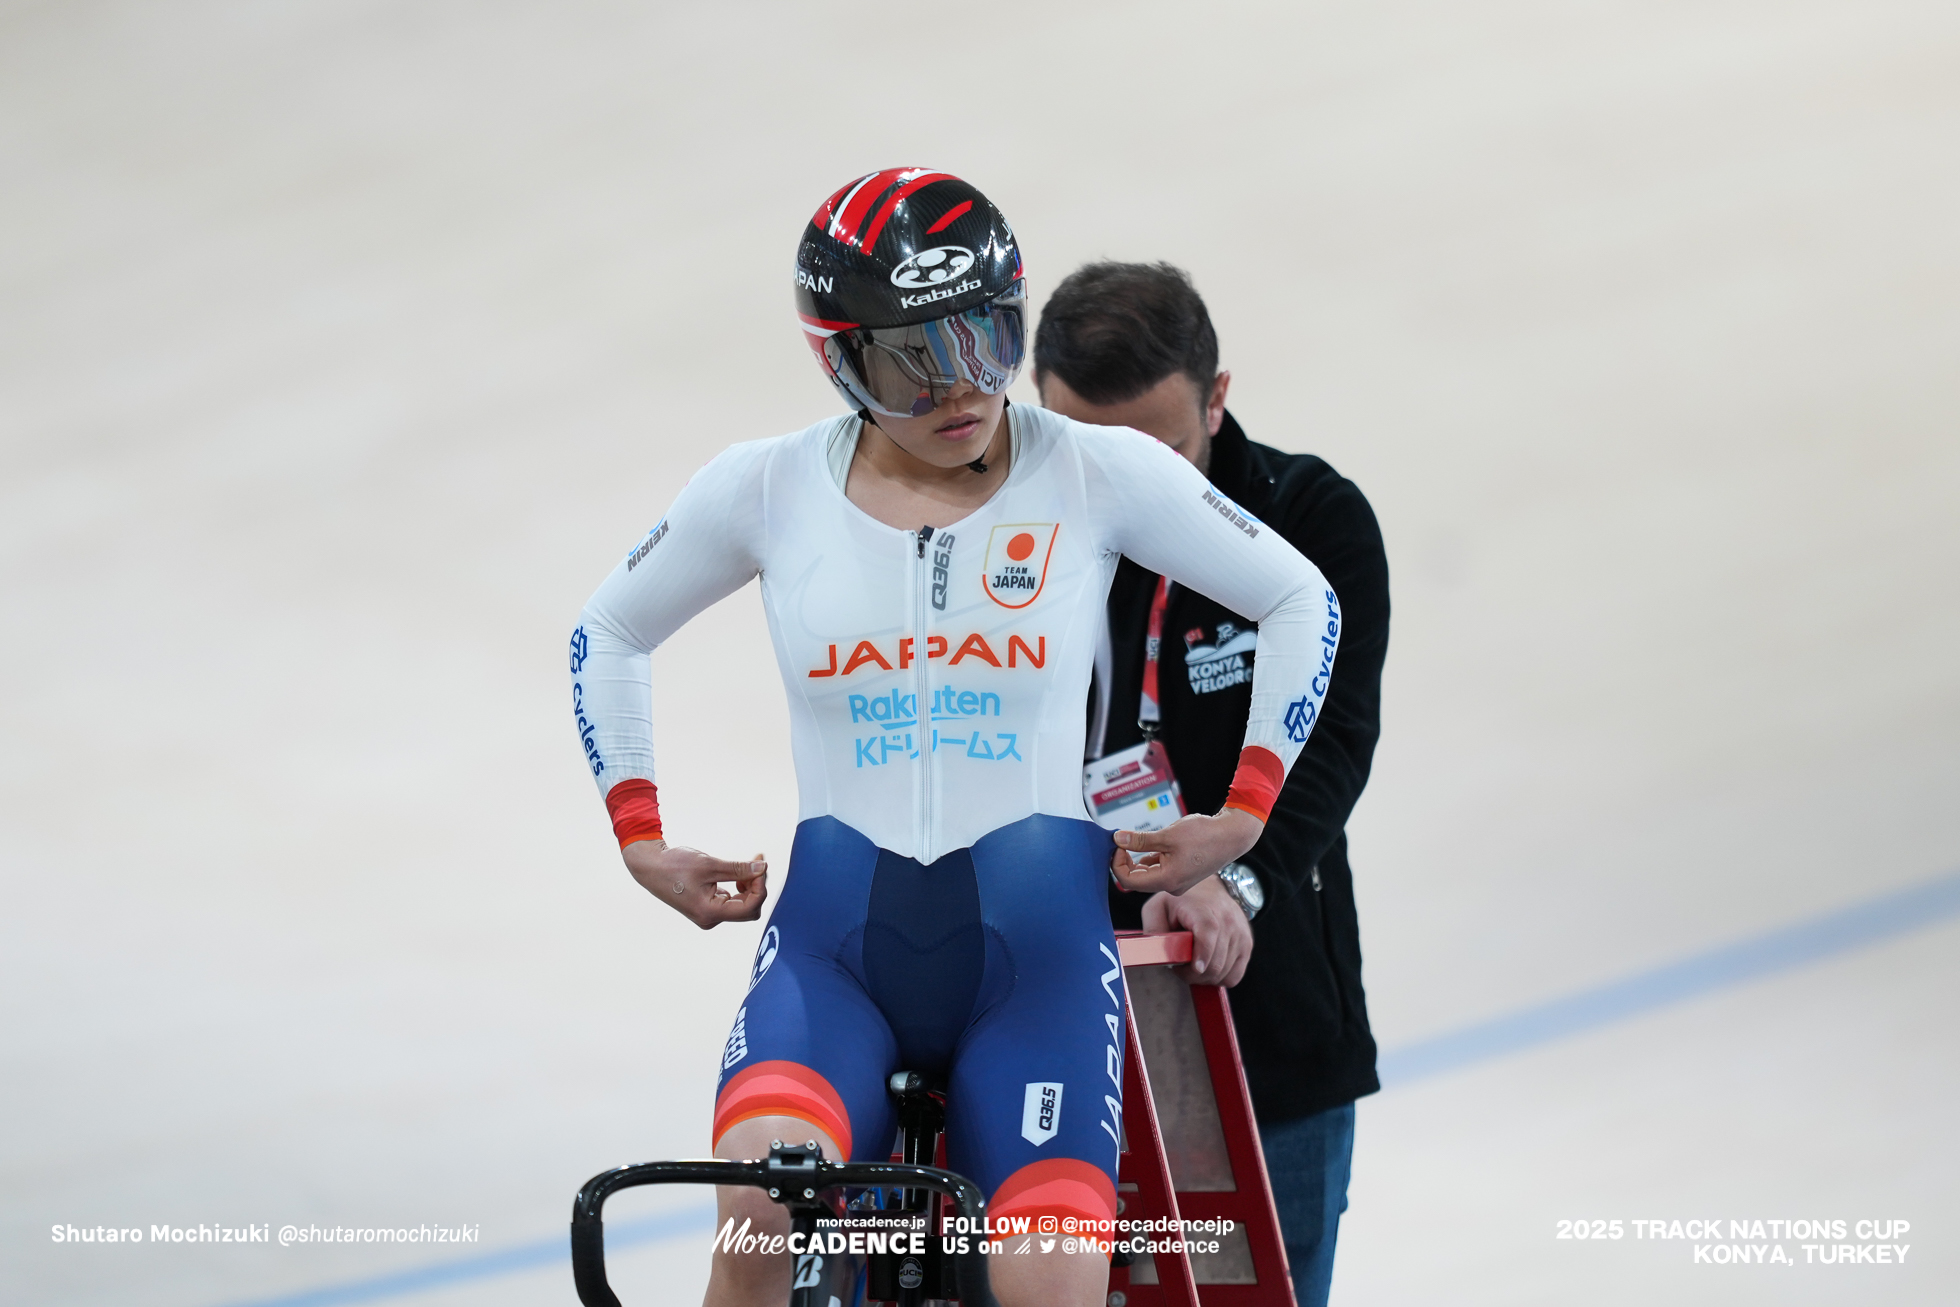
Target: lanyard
(1148, 713)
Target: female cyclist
(934, 565)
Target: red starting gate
(1191, 1148)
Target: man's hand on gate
(1221, 937)
(1183, 853)
(690, 882)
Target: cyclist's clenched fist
(691, 882)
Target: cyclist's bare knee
(751, 1138)
(741, 1278)
(1052, 1279)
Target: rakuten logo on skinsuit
(949, 703)
(895, 714)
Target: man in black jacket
(1132, 345)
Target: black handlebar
(810, 1175)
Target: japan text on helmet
(907, 282)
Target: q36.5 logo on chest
(1017, 562)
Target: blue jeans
(1308, 1161)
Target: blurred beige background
(343, 346)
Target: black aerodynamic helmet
(908, 281)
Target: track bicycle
(825, 1199)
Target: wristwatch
(1243, 885)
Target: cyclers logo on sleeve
(586, 728)
(1041, 1112)
(1330, 638)
(1300, 714)
(737, 1047)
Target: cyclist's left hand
(1183, 853)
(1221, 937)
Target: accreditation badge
(1133, 789)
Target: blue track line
(1898, 913)
(1785, 949)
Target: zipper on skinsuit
(921, 588)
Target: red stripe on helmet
(827, 211)
(877, 226)
(952, 215)
(825, 323)
(851, 212)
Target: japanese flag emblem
(1017, 562)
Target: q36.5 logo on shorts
(1041, 1112)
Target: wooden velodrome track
(344, 346)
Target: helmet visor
(909, 371)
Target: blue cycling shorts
(993, 972)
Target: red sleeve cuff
(635, 809)
(1256, 784)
